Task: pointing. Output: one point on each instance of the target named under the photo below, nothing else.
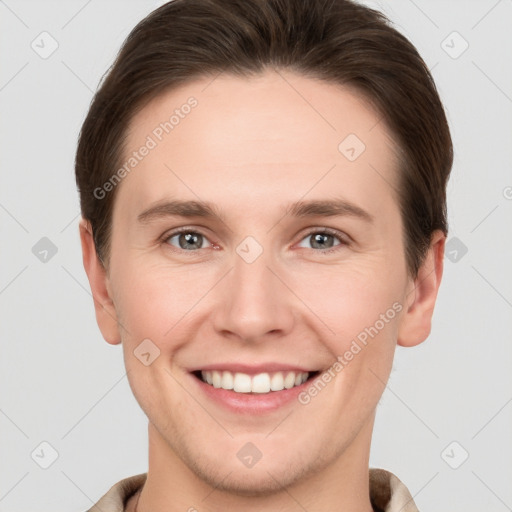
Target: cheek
(152, 306)
(152, 301)
(349, 302)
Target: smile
(252, 389)
(260, 383)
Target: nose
(253, 301)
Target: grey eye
(188, 240)
(321, 240)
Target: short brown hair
(338, 41)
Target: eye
(187, 239)
(323, 239)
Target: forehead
(274, 137)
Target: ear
(416, 322)
(106, 315)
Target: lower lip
(251, 403)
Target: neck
(172, 486)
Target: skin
(251, 147)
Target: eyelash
(342, 238)
(323, 231)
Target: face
(257, 244)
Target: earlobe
(106, 315)
(416, 322)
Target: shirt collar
(387, 493)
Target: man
(262, 187)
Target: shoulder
(388, 493)
(114, 500)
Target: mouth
(260, 383)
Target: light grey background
(61, 383)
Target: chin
(267, 477)
(251, 482)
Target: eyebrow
(300, 209)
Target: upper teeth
(260, 383)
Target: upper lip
(252, 369)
